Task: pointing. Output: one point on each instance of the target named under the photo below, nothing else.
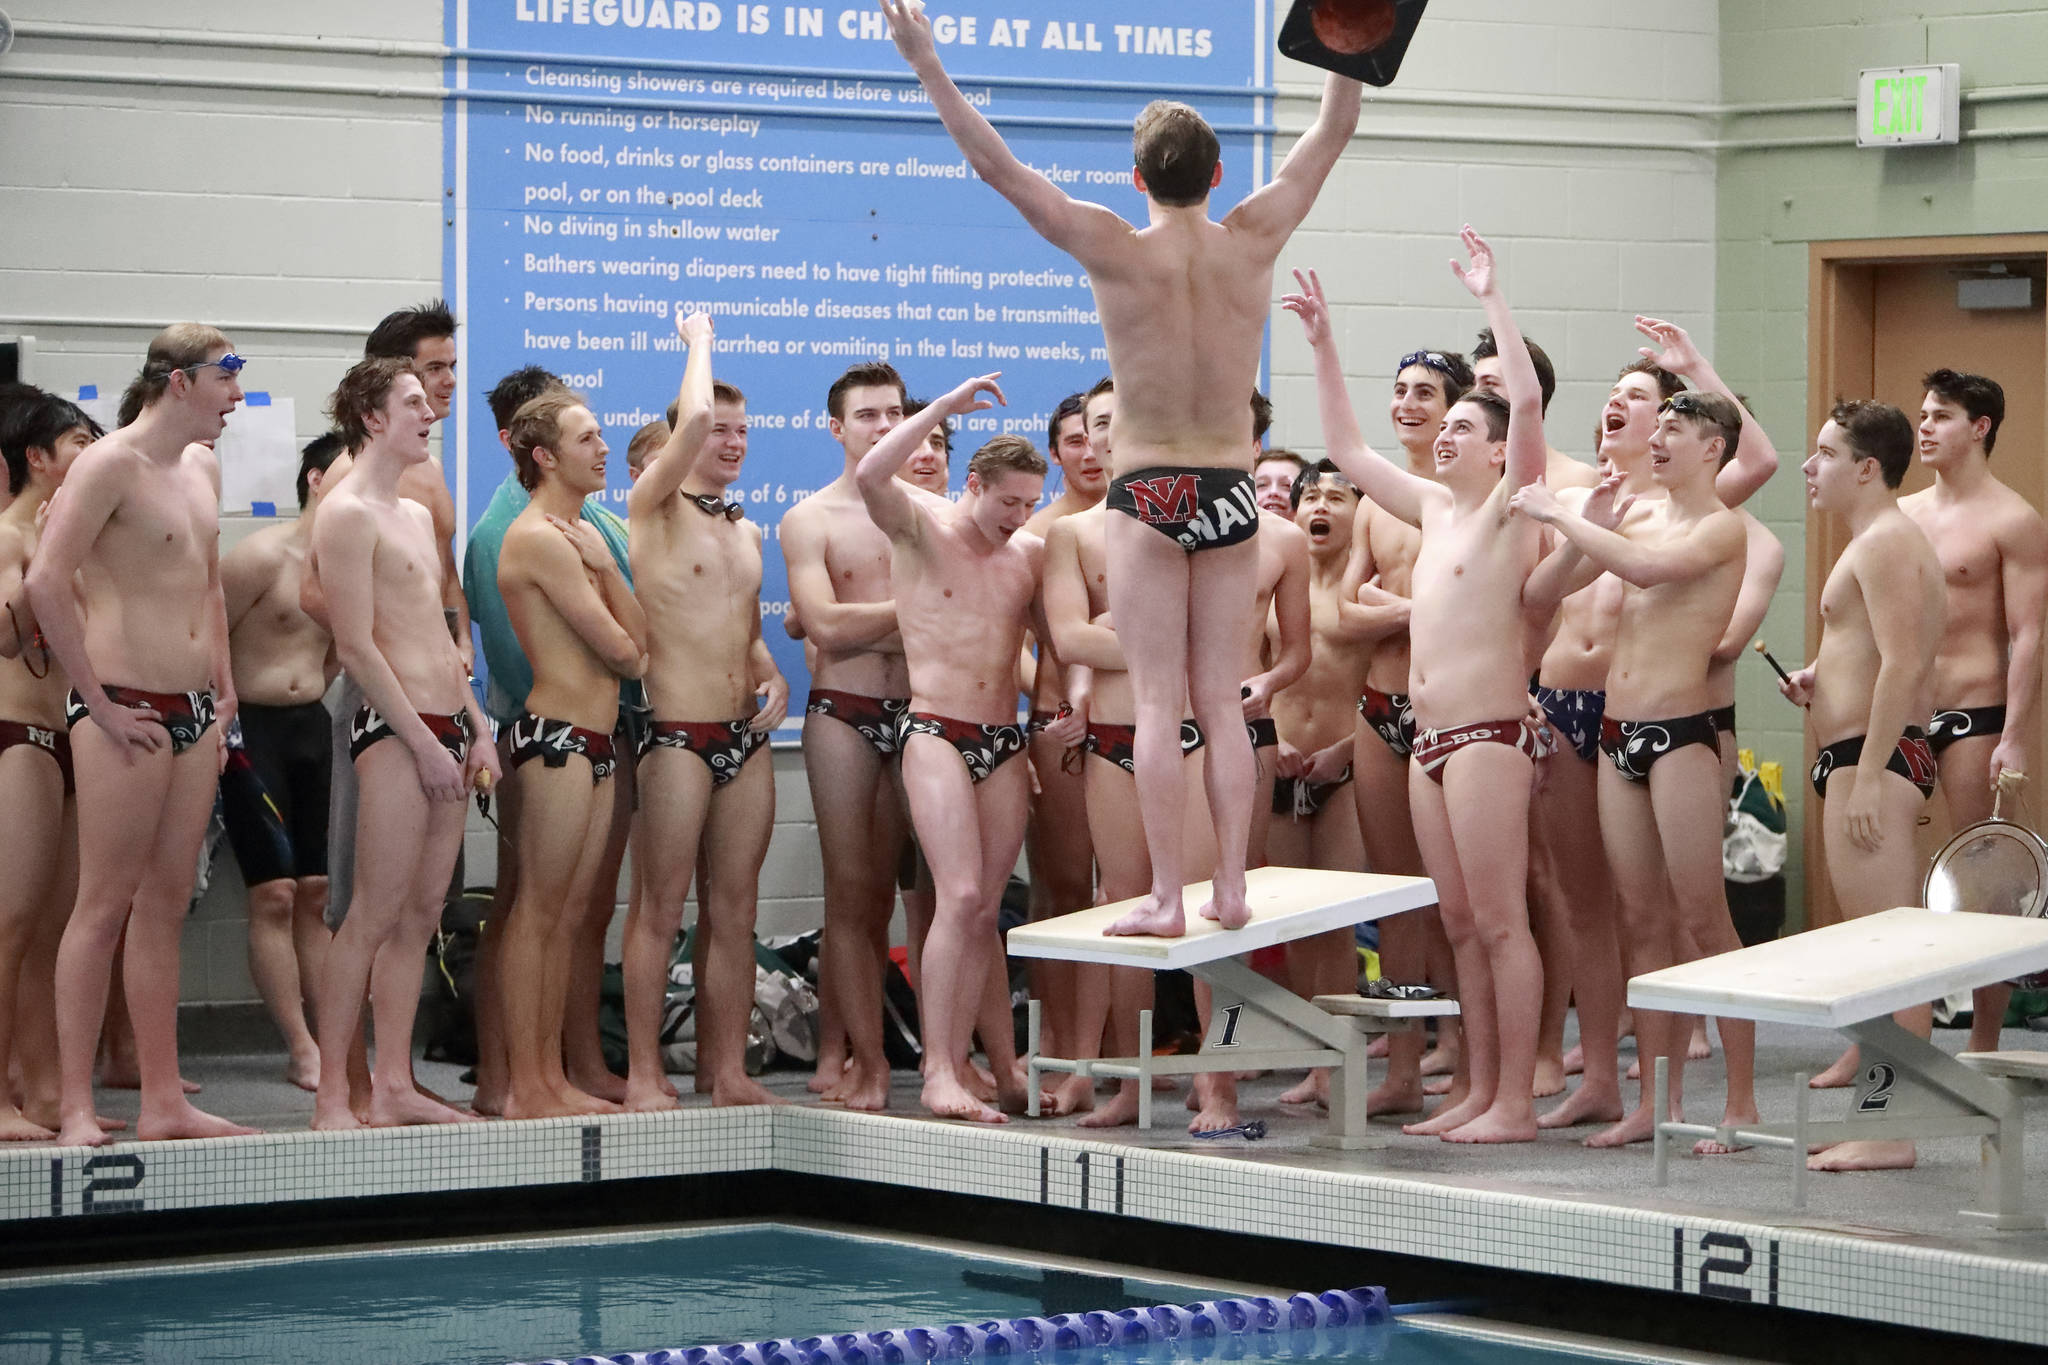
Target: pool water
(528, 1300)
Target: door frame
(1841, 359)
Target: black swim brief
(1964, 723)
(1198, 507)
(877, 719)
(1435, 748)
(1575, 714)
(55, 743)
(983, 748)
(187, 716)
(552, 741)
(367, 727)
(1303, 799)
(1912, 758)
(1636, 745)
(1722, 718)
(1264, 732)
(275, 789)
(1392, 718)
(1117, 743)
(724, 745)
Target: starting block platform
(1851, 977)
(1255, 1023)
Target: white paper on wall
(259, 456)
(102, 408)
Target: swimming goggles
(1434, 360)
(229, 365)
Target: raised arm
(1527, 453)
(2023, 574)
(1278, 207)
(1756, 459)
(606, 616)
(832, 625)
(1761, 570)
(671, 464)
(1070, 224)
(875, 475)
(1392, 487)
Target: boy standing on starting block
(1184, 304)
(1469, 776)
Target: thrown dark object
(1364, 39)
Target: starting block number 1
(1725, 1266)
(1113, 1204)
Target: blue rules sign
(778, 167)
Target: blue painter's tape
(262, 509)
(256, 400)
(88, 392)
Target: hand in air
(481, 771)
(589, 545)
(909, 28)
(967, 398)
(695, 329)
(441, 777)
(1798, 689)
(1310, 306)
(1536, 502)
(1069, 727)
(1478, 276)
(1674, 350)
(1605, 506)
(135, 730)
(774, 708)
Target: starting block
(1852, 976)
(1255, 1023)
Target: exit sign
(1908, 105)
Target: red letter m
(1167, 498)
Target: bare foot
(406, 1107)
(1440, 1084)
(1842, 1073)
(489, 1102)
(1439, 1061)
(184, 1121)
(868, 1093)
(1160, 919)
(1074, 1095)
(739, 1089)
(583, 1102)
(1699, 1047)
(82, 1132)
(1449, 1117)
(1395, 1097)
(1016, 1100)
(334, 1118)
(1378, 1046)
(1494, 1126)
(1218, 1111)
(1636, 1127)
(605, 1084)
(541, 1104)
(114, 1077)
(1226, 906)
(980, 1082)
(649, 1099)
(15, 1127)
(826, 1077)
(1121, 1110)
(1574, 1063)
(1864, 1156)
(1313, 1089)
(304, 1072)
(946, 1098)
(48, 1116)
(1587, 1104)
(1549, 1078)
(668, 1088)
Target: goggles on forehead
(1434, 360)
(1686, 404)
(229, 365)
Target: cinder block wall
(298, 220)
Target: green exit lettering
(1898, 107)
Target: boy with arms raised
(40, 435)
(581, 630)
(1987, 676)
(966, 586)
(1661, 795)
(125, 584)
(377, 565)
(697, 567)
(1184, 303)
(1469, 777)
(1882, 614)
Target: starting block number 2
(1726, 1265)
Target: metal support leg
(1660, 1142)
(1144, 1068)
(1802, 1099)
(1031, 1096)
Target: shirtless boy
(717, 696)
(126, 589)
(1661, 796)
(581, 630)
(1273, 476)
(377, 557)
(274, 789)
(1993, 549)
(1184, 304)
(41, 435)
(966, 587)
(1882, 614)
(838, 564)
(1470, 774)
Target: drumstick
(1776, 667)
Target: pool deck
(1882, 1247)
